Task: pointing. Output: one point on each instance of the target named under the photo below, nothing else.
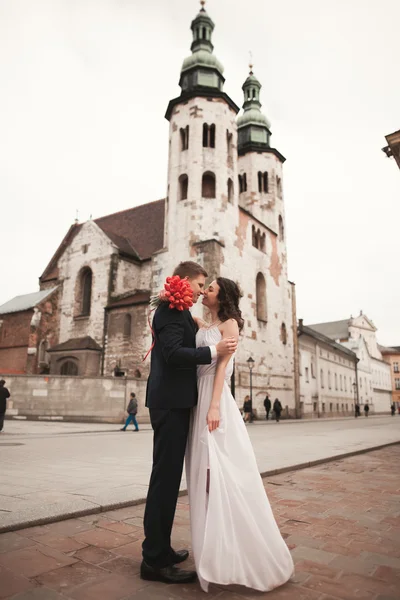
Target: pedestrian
(398, 409)
(393, 409)
(247, 409)
(366, 409)
(132, 412)
(4, 394)
(267, 405)
(277, 408)
(357, 409)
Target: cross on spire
(202, 2)
(251, 62)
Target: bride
(235, 539)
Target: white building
(373, 373)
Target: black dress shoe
(170, 574)
(179, 556)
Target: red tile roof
(137, 232)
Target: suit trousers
(171, 428)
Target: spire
(202, 68)
(253, 126)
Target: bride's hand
(213, 418)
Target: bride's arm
(229, 329)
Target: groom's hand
(226, 346)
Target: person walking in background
(247, 409)
(393, 409)
(4, 394)
(357, 410)
(277, 408)
(132, 412)
(267, 406)
(366, 409)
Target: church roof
(310, 331)
(137, 232)
(82, 343)
(389, 349)
(336, 330)
(131, 300)
(25, 302)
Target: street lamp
(355, 397)
(250, 363)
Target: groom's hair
(189, 269)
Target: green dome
(202, 58)
(251, 80)
(253, 116)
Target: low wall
(91, 399)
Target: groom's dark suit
(171, 393)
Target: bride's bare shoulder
(230, 328)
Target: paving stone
(118, 527)
(93, 555)
(11, 583)
(125, 565)
(39, 594)
(133, 550)
(35, 560)
(65, 579)
(102, 538)
(13, 541)
(111, 587)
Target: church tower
(259, 165)
(202, 198)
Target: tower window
(283, 334)
(262, 243)
(208, 136)
(208, 185)
(240, 184)
(184, 138)
(230, 190)
(263, 182)
(261, 297)
(204, 33)
(183, 187)
(281, 229)
(279, 186)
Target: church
(223, 208)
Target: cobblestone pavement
(341, 521)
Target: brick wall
(14, 340)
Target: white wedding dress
(235, 539)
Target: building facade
(392, 356)
(224, 208)
(373, 373)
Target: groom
(171, 394)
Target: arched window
(43, 356)
(86, 291)
(253, 236)
(260, 181)
(208, 136)
(283, 334)
(265, 182)
(313, 366)
(69, 367)
(229, 138)
(278, 186)
(244, 182)
(261, 297)
(329, 380)
(127, 326)
(240, 184)
(336, 386)
(263, 243)
(230, 190)
(322, 378)
(208, 185)
(341, 383)
(184, 138)
(281, 229)
(183, 187)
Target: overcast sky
(84, 88)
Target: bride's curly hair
(229, 297)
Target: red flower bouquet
(177, 292)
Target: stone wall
(91, 399)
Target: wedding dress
(235, 539)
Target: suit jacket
(173, 378)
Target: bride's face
(210, 298)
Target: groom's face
(197, 284)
